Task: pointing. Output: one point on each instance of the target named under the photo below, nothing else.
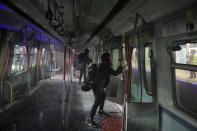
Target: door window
(147, 70)
(19, 59)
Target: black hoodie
(103, 74)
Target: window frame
(174, 66)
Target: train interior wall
(172, 118)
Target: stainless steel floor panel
(142, 117)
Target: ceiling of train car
(83, 16)
(87, 15)
(92, 12)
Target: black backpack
(90, 83)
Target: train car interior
(153, 41)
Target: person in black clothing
(75, 65)
(83, 60)
(102, 79)
(193, 61)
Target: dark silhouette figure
(83, 60)
(102, 79)
(193, 61)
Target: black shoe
(91, 123)
(102, 113)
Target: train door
(141, 109)
(141, 80)
(142, 71)
(33, 65)
(46, 62)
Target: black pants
(99, 101)
(193, 74)
(82, 73)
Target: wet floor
(42, 111)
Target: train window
(54, 60)
(19, 59)
(147, 59)
(186, 85)
(147, 68)
(33, 56)
(45, 57)
(115, 57)
(187, 54)
(57, 60)
(135, 66)
(185, 80)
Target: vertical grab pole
(71, 64)
(55, 53)
(124, 119)
(28, 70)
(41, 62)
(64, 69)
(121, 62)
(63, 93)
(42, 59)
(27, 58)
(5, 73)
(50, 59)
(7, 62)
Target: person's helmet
(86, 51)
(105, 57)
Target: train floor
(42, 111)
